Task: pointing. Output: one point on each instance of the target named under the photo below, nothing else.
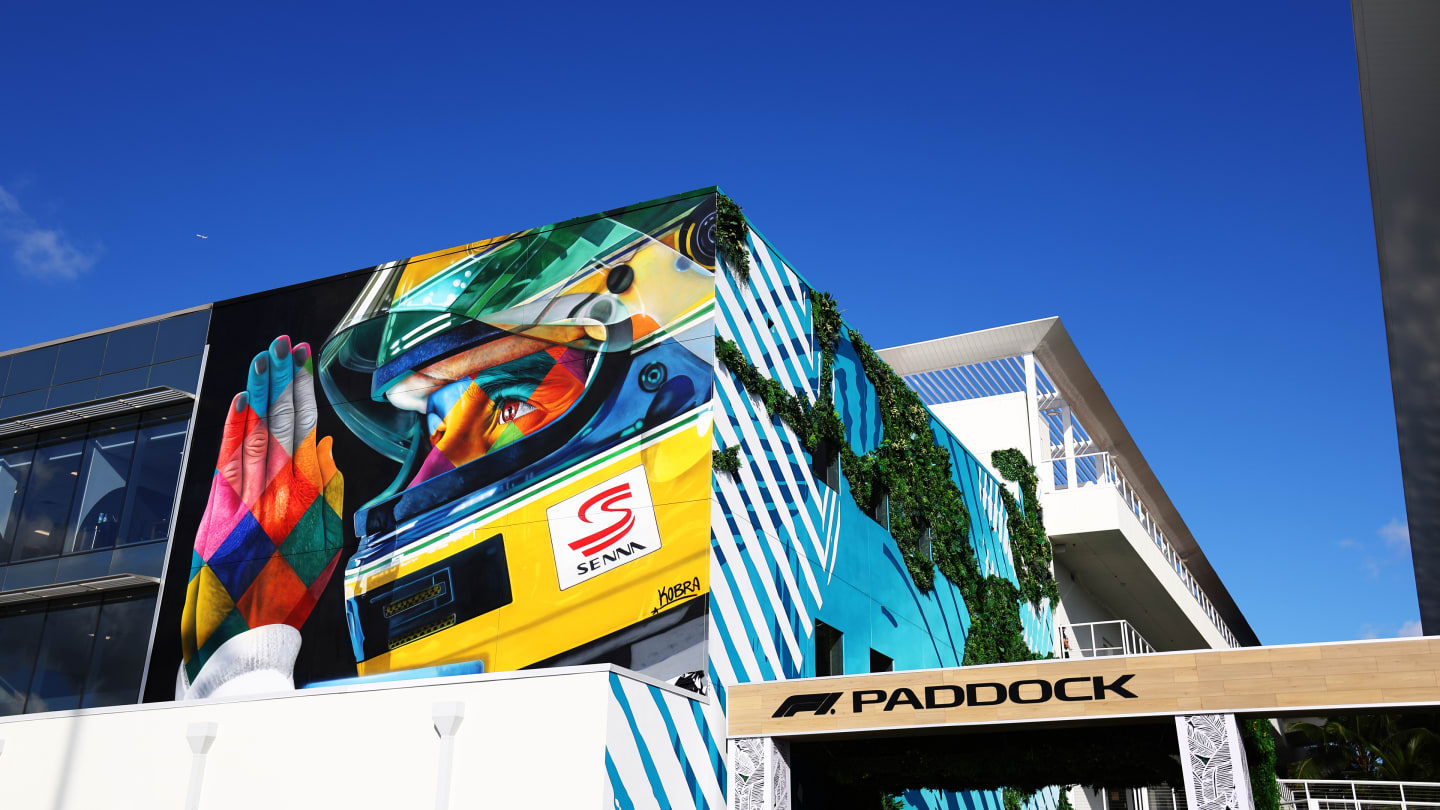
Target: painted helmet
(470, 365)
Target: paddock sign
(1395, 672)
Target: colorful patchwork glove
(270, 539)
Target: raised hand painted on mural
(271, 535)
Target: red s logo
(624, 520)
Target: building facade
(545, 494)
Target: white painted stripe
(731, 395)
(734, 501)
(771, 532)
(724, 668)
(621, 746)
(772, 276)
(723, 427)
(741, 331)
(729, 607)
(741, 303)
(783, 442)
(693, 747)
(758, 298)
(652, 728)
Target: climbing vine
(1028, 543)
(1258, 737)
(912, 470)
(909, 468)
(726, 460)
(730, 230)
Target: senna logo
(949, 696)
(603, 528)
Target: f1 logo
(603, 528)
(820, 703)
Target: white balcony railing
(1093, 469)
(1101, 639)
(1340, 794)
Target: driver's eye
(512, 409)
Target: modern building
(1399, 70)
(1132, 578)
(519, 513)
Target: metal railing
(1101, 469)
(1101, 639)
(1343, 794)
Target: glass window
(130, 348)
(159, 449)
(182, 336)
(29, 574)
(28, 402)
(123, 382)
(83, 566)
(20, 628)
(182, 375)
(146, 559)
(79, 360)
(829, 651)
(120, 643)
(48, 494)
(880, 662)
(71, 393)
(95, 523)
(31, 370)
(64, 656)
(5, 366)
(15, 460)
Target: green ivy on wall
(912, 470)
(1028, 543)
(1015, 799)
(1259, 739)
(726, 460)
(730, 230)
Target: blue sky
(1183, 184)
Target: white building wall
(989, 423)
(1078, 605)
(527, 740)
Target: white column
(759, 774)
(1039, 433)
(1068, 423)
(447, 717)
(1212, 757)
(200, 736)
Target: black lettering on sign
(972, 693)
(1118, 687)
(1018, 696)
(905, 696)
(1063, 695)
(862, 696)
(932, 693)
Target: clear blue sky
(1184, 184)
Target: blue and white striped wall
(788, 551)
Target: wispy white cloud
(1393, 548)
(40, 251)
(1404, 630)
(1396, 534)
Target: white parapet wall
(530, 739)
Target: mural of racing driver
(544, 400)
